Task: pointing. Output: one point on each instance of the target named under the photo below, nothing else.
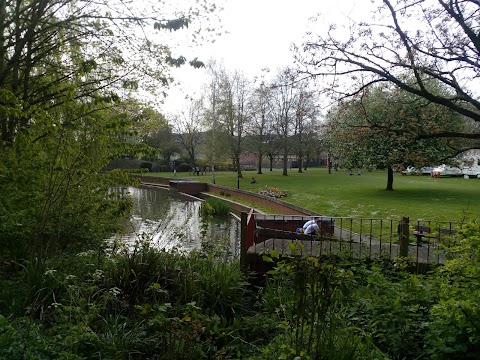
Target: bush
(214, 206)
(454, 328)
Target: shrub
(454, 328)
(213, 206)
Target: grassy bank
(339, 194)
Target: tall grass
(215, 207)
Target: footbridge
(418, 242)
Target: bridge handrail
(366, 237)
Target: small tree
(383, 128)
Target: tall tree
(313, 144)
(233, 115)
(211, 113)
(427, 40)
(305, 109)
(283, 100)
(273, 144)
(52, 51)
(188, 128)
(54, 193)
(261, 112)
(157, 132)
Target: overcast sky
(259, 34)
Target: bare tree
(233, 115)
(305, 108)
(261, 111)
(407, 43)
(283, 100)
(188, 128)
(211, 112)
(312, 141)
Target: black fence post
(403, 236)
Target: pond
(170, 220)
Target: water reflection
(170, 220)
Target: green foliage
(56, 197)
(307, 296)
(393, 308)
(147, 165)
(454, 332)
(180, 277)
(174, 25)
(386, 126)
(214, 207)
(138, 302)
(122, 304)
(62, 120)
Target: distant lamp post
(238, 180)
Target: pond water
(169, 220)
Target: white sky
(259, 35)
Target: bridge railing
(419, 241)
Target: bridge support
(243, 241)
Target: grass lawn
(339, 194)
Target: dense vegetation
(150, 304)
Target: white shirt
(311, 229)
(308, 223)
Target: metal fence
(418, 241)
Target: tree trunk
(300, 161)
(285, 165)
(389, 179)
(259, 166)
(239, 169)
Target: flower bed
(273, 192)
